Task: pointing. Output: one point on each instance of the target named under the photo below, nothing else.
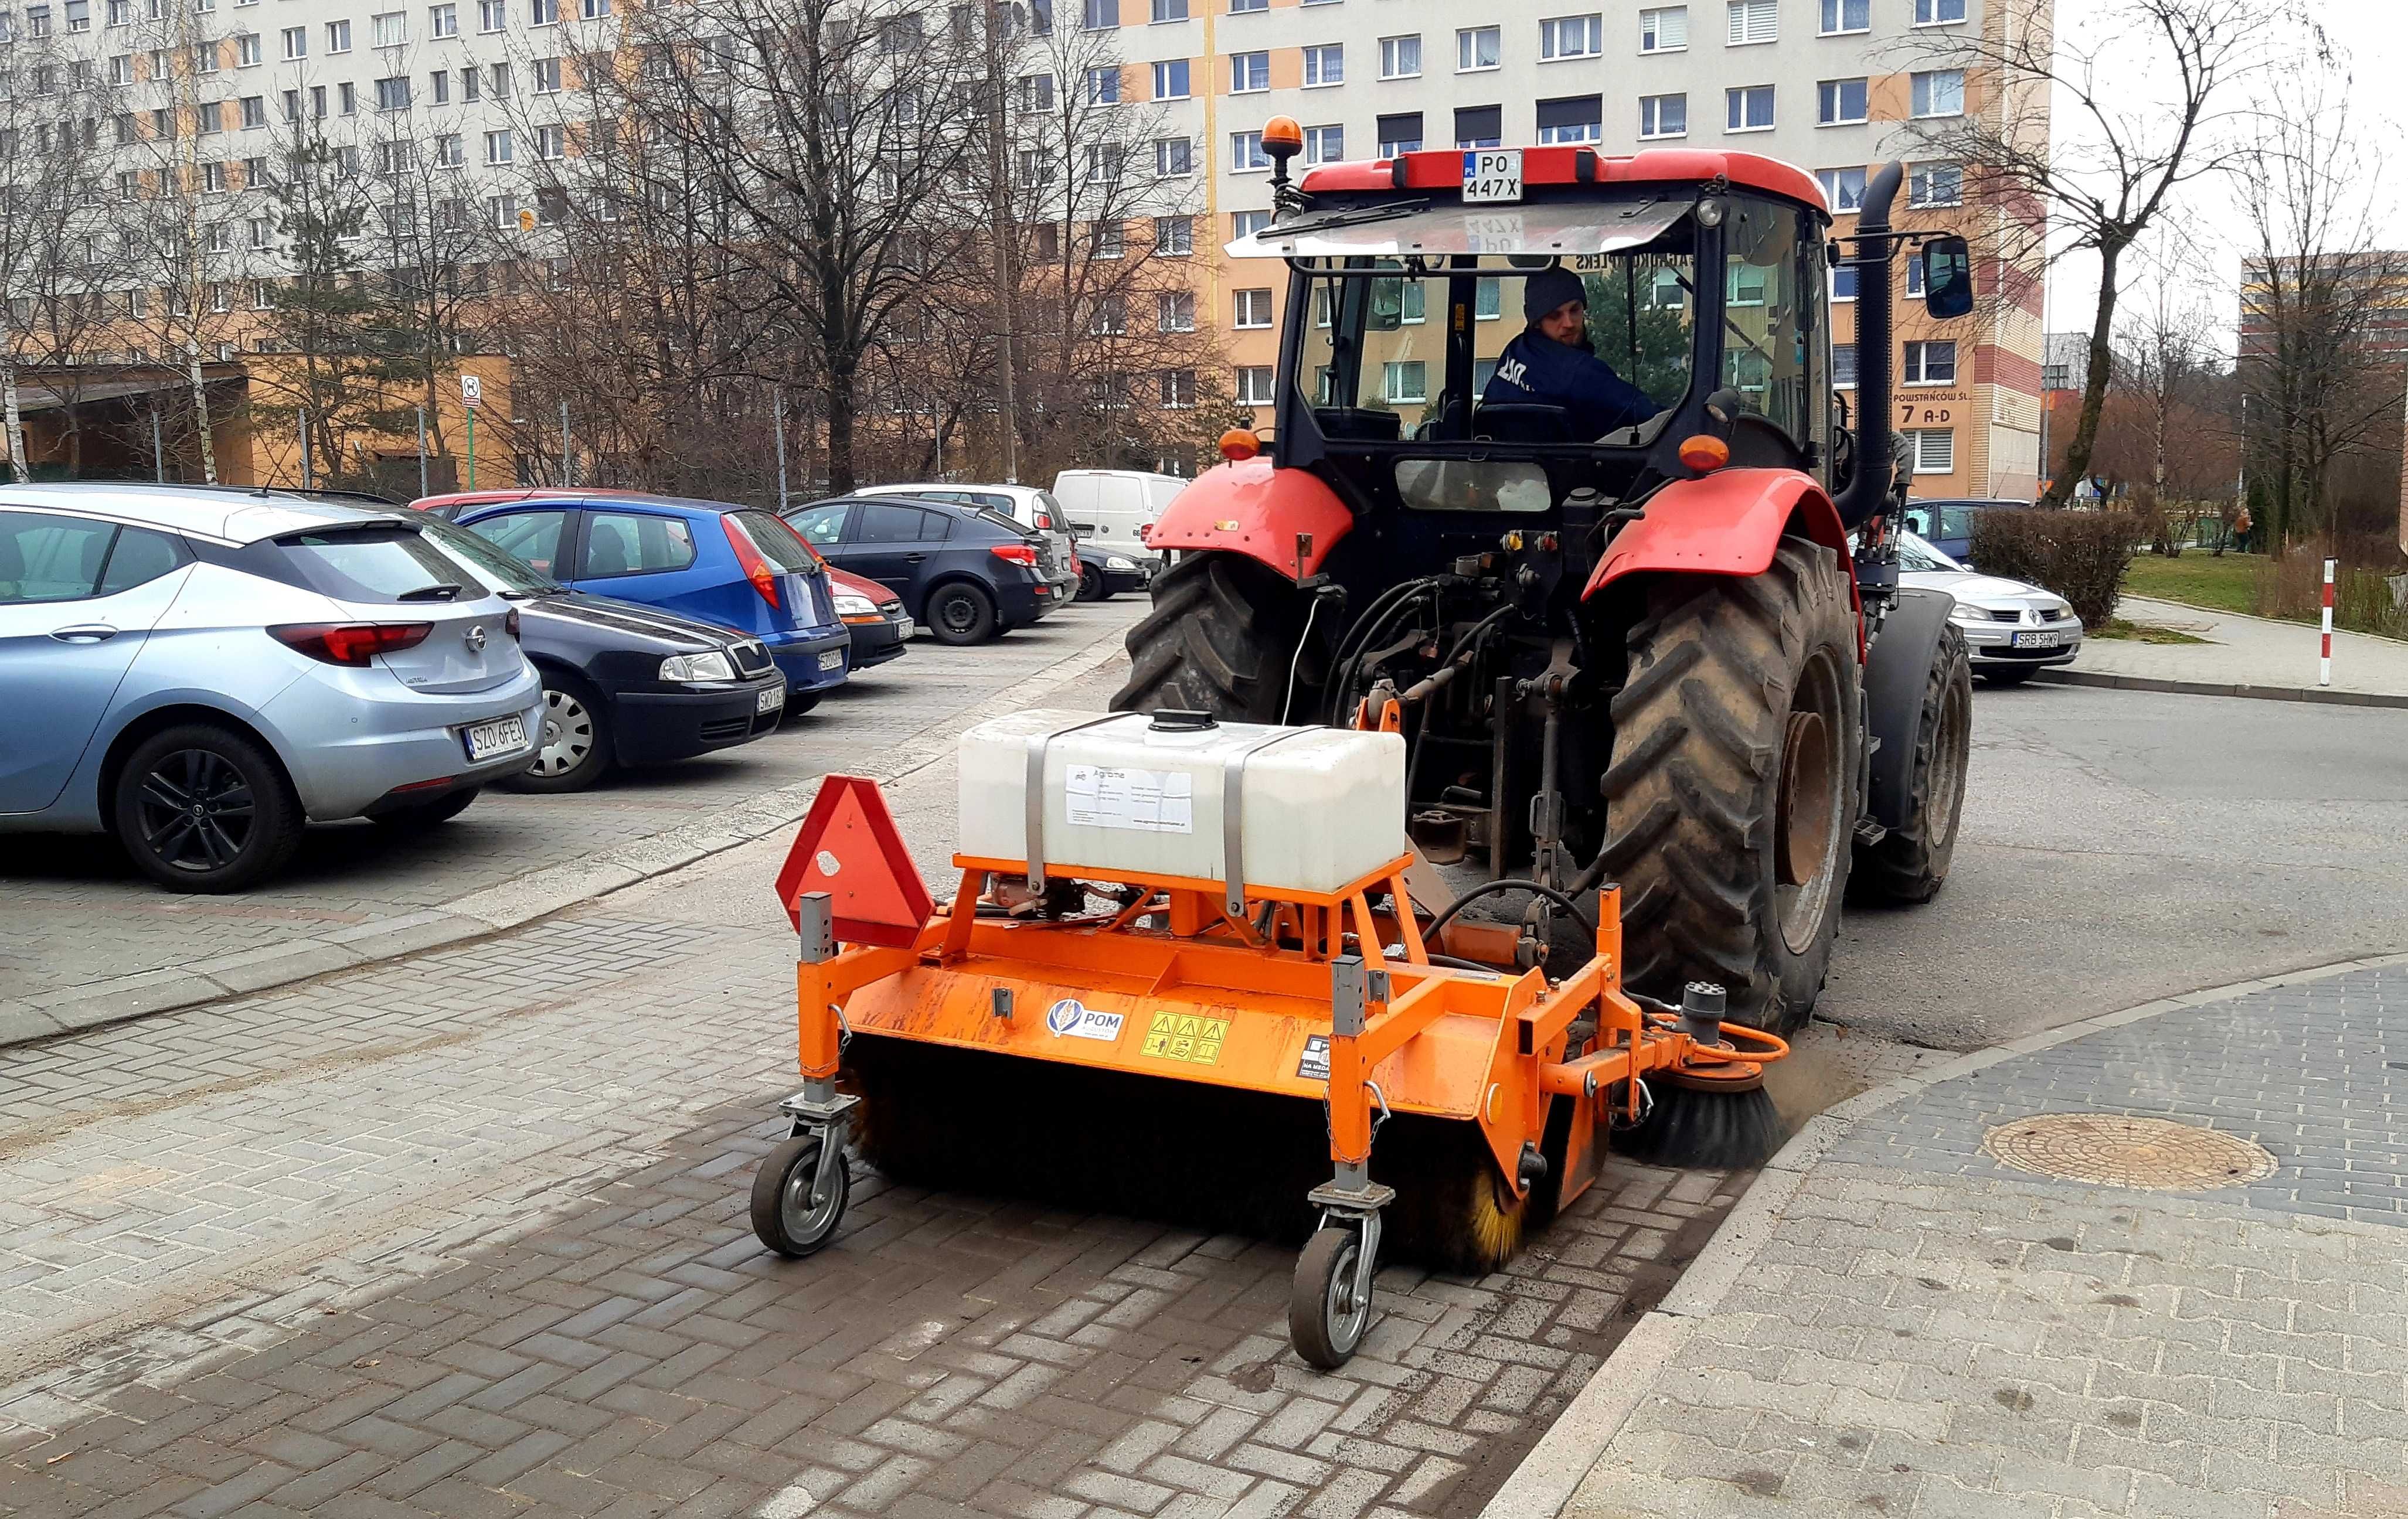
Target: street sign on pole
(472, 392)
(422, 450)
(2324, 663)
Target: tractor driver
(1550, 362)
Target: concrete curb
(1547, 1477)
(497, 909)
(2312, 694)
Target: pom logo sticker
(1072, 1019)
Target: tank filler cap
(1181, 719)
(1702, 1003)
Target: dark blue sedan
(723, 563)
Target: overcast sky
(2374, 35)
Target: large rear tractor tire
(1223, 638)
(1731, 801)
(1910, 865)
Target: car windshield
(498, 570)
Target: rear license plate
(832, 660)
(1492, 175)
(2041, 640)
(499, 737)
(770, 698)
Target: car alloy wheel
(196, 810)
(567, 735)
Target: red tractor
(1675, 656)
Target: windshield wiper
(1353, 216)
(430, 593)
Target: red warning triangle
(849, 848)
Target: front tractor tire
(1909, 865)
(1730, 800)
(1221, 639)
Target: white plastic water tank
(1319, 808)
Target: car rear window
(377, 563)
(999, 520)
(778, 544)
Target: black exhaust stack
(1868, 489)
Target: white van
(1108, 507)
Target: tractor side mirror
(1947, 277)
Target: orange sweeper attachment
(1268, 1047)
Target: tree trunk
(839, 426)
(2093, 384)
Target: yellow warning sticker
(1185, 1036)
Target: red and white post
(2324, 664)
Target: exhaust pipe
(1868, 490)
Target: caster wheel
(783, 1216)
(1326, 1320)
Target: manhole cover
(2116, 1151)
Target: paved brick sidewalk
(88, 942)
(1893, 1323)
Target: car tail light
(350, 643)
(1044, 521)
(763, 574)
(1018, 554)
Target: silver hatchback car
(200, 672)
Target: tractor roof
(1442, 169)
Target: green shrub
(2079, 555)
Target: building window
(1940, 93)
(120, 69)
(205, 61)
(1936, 184)
(498, 146)
(1938, 12)
(1246, 223)
(1324, 144)
(1105, 161)
(1099, 15)
(1324, 64)
(1840, 15)
(392, 94)
(502, 211)
(1239, 7)
(1174, 310)
(1575, 118)
(1170, 10)
(296, 42)
(1933, 448)
(1254, 309)
(1843, 188)
(443, 21)
(1748, 108)
(1914, 279)
(1174, 236)
(1840, 103)
(389, 29)
(1246, 152)
(501, 83)
(1035, 92)
(1477, 48)
(1753, 21)
(1170, 79)
(1401, 133)
(1400, 57)
(1178, 385)
(1249, 72)
(1664, 29)
(543, 12)
(1932, 362)
(1844, 282)
(1572, 37)
(1843, 366)
(261, 232)
(1254, 384)
(1104, 85)
(547, 76)
(247, 51)
(1404, 381)
(492, 14)
(1664, 116)
(1173, 157)
(2055, 377)
(1479, 126)
(594, 10)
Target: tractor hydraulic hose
(1868, 492)
(1509, 883)
(1375, 618)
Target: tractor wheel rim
(803, 1221)
(196, 810)
(1949, 754)
(1809, 800)
(1347, 1314)
(567, 734)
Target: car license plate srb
(770, 698)
(499, 737)
(1492, 175)
(2041, 640)
(832, 660)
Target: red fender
(1252, 507)
(1724, 523)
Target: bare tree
(2108, 174)
(2321, 340)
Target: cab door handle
(88, 633)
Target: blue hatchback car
(723, 563)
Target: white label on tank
(1147, 801)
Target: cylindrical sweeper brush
(1704, 1120)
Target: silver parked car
(2010, 627)
(200, 672)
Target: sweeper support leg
(800, 1192)
(1329, 1306)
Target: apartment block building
(1829, 85)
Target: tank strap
(1233, 816)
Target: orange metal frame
(1211, 960)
